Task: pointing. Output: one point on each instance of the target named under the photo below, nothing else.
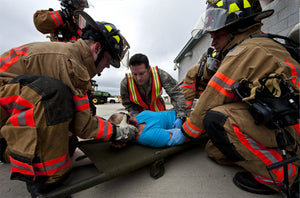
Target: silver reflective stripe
(221, 82)
(21, 118)
(56, 17)
(105, 128)
(52, 167)
(81, 102)
(266, 153)
(16, 106)
(21, 167)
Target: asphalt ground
(188, 174)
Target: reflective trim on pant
(267, 156)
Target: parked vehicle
(100, 97)
(113, 99)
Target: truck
(97, 97)
(113, 99)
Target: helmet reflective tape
(247, 4)
(117, 38)
(233, 8)
(219, 4)
(108, 27)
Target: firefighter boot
(3, 147)
(245, 181)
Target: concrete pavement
(188, 174)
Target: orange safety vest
(134, 95)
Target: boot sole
(253, 190)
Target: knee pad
(214, 125)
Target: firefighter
(198, 76)
(61, 24)
(234, 136)
(43, 89)
(142, 88)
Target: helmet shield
(211, 20)
(230, 13)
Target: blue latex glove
(177, 137)
(178, 123)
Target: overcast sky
(157, 28)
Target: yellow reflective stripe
(233, 8)
(220, 4)
(157, 85)
(247, 4)
(108, 27)
(117, 38)
(131, 87)
(156, 81)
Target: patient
(155, 128)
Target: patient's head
(116, 119)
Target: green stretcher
(112, 163)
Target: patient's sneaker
(245, 181)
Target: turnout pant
(235, 137)
(35, 115)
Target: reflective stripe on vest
(266, 155)
(12, 57)
(81, 103)
(20, 109)
(36, 169)
(135, 96)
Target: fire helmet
(110, 38)
(231, 14)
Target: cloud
(157, 28)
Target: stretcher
(111, 163)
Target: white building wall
(285, 17)
(189, 61)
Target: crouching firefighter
(44, 97)
(235, 137)
(274, 103)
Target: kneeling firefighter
(43, 89)
(235, 138)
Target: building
(285, 17)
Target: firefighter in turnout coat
(198, 76)
(43, 89)
(234, 136)
(60, 24)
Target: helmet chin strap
(99, 57)
(224, 52)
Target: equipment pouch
(21, 140)
(273, 102)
